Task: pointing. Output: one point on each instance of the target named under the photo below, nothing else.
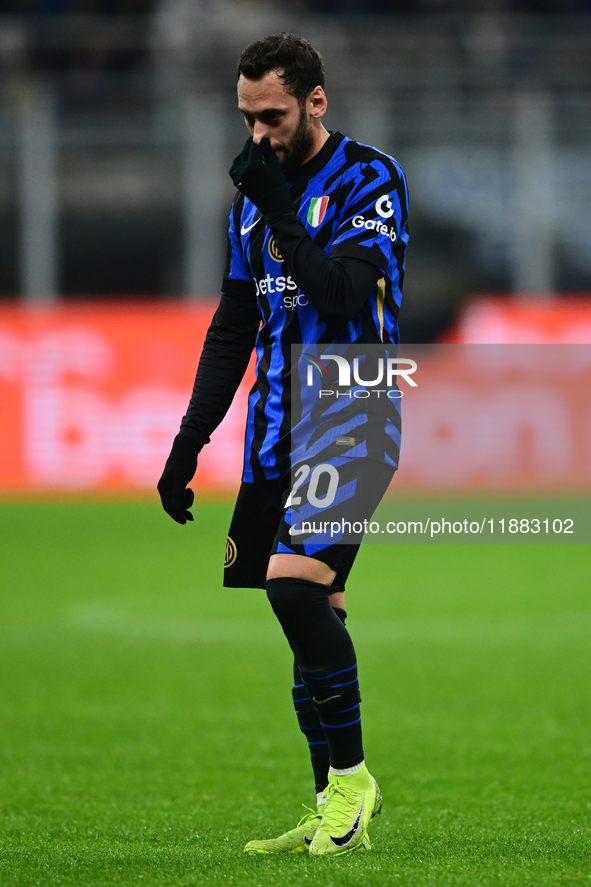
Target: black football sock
(310, 723)
(326, 658)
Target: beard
(300, 144)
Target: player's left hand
(179, 470)
(257, 174)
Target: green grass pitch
(147, 730)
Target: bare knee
(296, 566)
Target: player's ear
(317, 102)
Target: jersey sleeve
(375, 214)
(237, 277)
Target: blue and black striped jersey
(353, 201)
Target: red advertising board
(91, 396)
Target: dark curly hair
(300, 63)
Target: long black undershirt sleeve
(224, 359)
(336, 287)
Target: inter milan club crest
(231, 553)
(273, 251)
(317, 211)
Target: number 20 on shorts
(303, 474)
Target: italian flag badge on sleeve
(317, 210)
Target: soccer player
(316, 247)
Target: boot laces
(340, 805)
(307, 817)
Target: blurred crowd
(473, 96)
(203, 21)
(126, 7)
(100, 7)
(454, 6)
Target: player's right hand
(257, 174)
(179, 470)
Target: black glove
(179, 470)
(257, 174)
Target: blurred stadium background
(127, 751)
(117, 127)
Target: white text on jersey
(375, 225)
(274, 285)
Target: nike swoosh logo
(307, 840)
(322, 701)
(294, 532)
(346, 839)
(244, 230)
